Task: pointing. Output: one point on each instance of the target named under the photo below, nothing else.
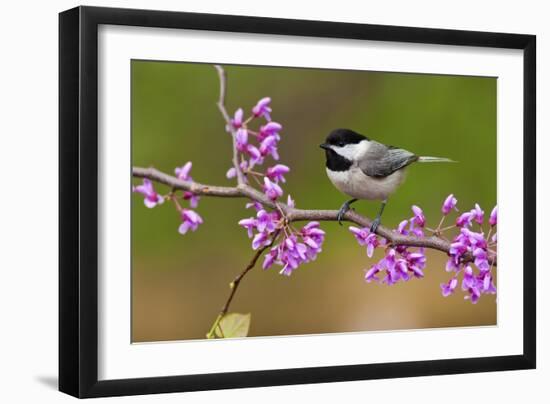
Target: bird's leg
(378, 218)
(345, 207)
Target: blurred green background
(179, 283)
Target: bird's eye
(340, 144)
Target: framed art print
(251, 201)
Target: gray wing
(381, 160)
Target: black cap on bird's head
(342, 137)
(337, 159)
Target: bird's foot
(376, 221)
(343, 210)
(375, 224)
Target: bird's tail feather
(429, 159)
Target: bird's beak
(324, 146)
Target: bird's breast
(355, 183)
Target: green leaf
(233, 325)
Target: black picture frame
(78, 201)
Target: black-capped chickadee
(365, 169)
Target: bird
(365, 169)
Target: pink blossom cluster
(190, 219)
(289, 247)
(477, 279)
(401, 263)
(255, 145)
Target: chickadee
(365, 169)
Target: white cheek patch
(348, 151)
(352, 152)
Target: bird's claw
(375, 225)
(342, 212)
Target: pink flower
(270, 129)
(192, 198)
(237, 120)
(232, 173)
(313, 237)
(370, 275)
(419, 217)
(249, 224)
(271, 189)
(290, 202)
(493, 217)
(472, 238)
(260, 240)
(190, 221)
(256, 205)
(468, 279)
(365, 238)
(255, 155)
(270, 258)
(452, 265)
(449, 288)
(277, 172)
(265, 222)
(152, 199)
(449, 204)
(183, 172)
(262, 108)
(241, 139)
(416, 262)
(477, 214)
(481, 260)
(475, 285)
(474, 294)
(457, 250)
(401, 227)
(290, 254)
(465, 219)
(487, 283)
(269, 146)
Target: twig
(221, 106)
(297, 215)
(235, 284)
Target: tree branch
(295, 215)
